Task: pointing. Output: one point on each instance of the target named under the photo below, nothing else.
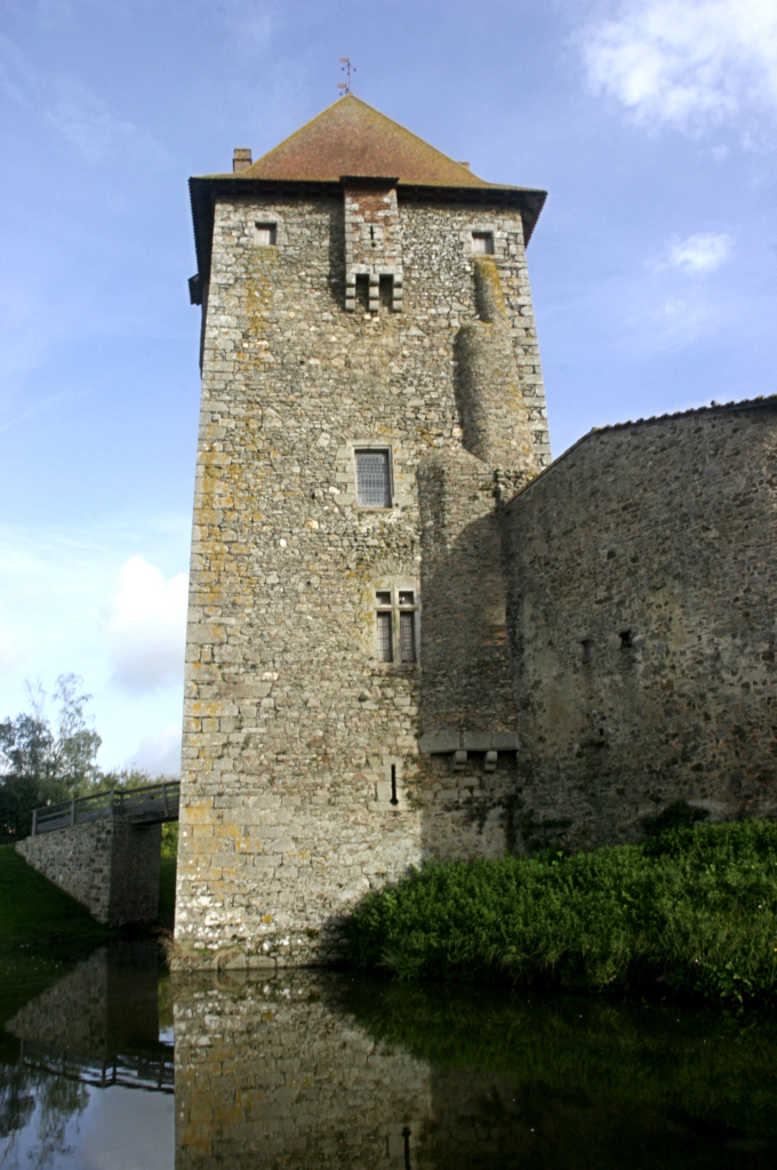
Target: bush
(694, 910)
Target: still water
(116, 1066)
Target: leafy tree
(40, 765)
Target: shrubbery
(693, 910)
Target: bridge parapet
(105, 853)
(151, 804)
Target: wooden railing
(150, 805)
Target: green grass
(33, 910)
(42, 932)
(692, 911)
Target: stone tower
(371, 391)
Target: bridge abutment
(109, 865)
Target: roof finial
(347, 68)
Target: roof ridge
(760, 402)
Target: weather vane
(347, 68)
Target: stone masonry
(348, 707)
(111, 866)
(643, 586)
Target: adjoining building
(642, 575)
(374, 497)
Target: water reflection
(67, 1059)
(275, 1073)
(308, 1071)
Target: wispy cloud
(693, 66)
(699, 254)
(74, 111)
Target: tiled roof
(352, 138)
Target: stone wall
(303, 781)
(643, 592)
(109, 865)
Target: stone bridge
(104, 849)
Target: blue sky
(652, 125)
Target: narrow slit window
(267, 234)
(373, 479)
(362, 290)
(407, 652)
(385, 637)
(387, 291)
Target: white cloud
(690, 65)
(146, 627)
(160, 754)
(700, 253)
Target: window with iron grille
(396, 630)
(373, 477)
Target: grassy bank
(43, 930)
(692, 911)
(34, 912)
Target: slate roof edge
(760, 402)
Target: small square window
(483, 243)
(373, 478)
(267, 233)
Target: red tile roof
(352, 138)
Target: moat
(116, 1065)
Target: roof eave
(205, 189)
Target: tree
(39, 765)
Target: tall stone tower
(371, 391)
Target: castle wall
(303, 782)
(643, 592)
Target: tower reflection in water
(308, 1071)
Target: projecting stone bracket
(450, 741)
